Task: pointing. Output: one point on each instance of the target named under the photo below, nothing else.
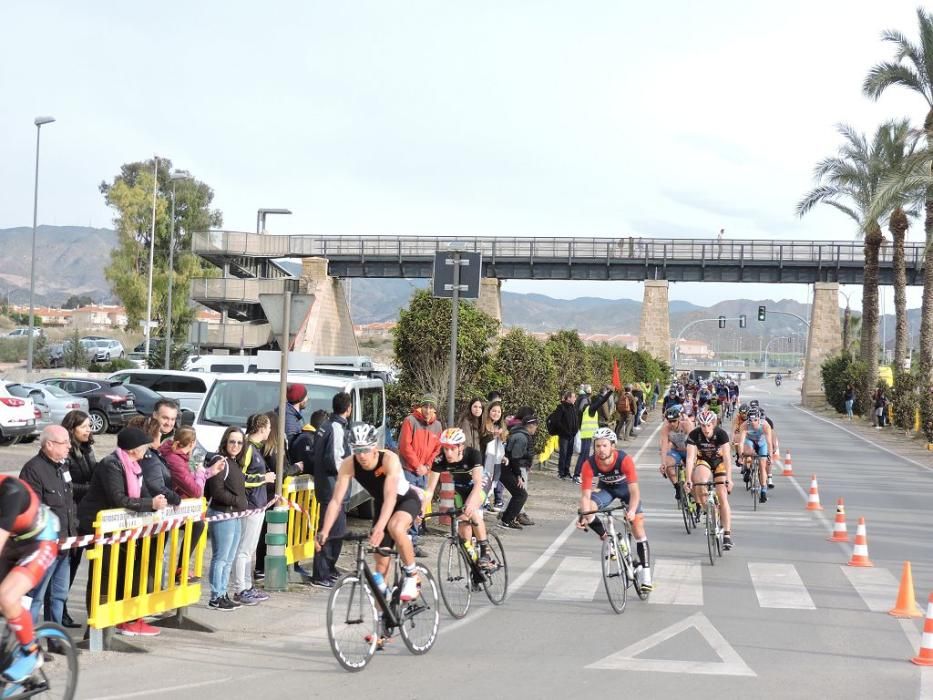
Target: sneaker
(770, 481)
(317, 583)
(244, 598)
(258, 595)
(500, 505)
(491, 508)
(138, 628)
(23, 665)
(409, 587)
(524, 520)
(301, 571)
(727, 542)
(510, 524)
(643, 574)
(577, 480)
(221, 603)
(420, 553)
(564, 477)
(763, 497)
(232, 602)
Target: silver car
(59, 402)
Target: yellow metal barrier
(302, 524)
(133, 585)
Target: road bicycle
(361, 618)
(57, 677)
(617, 557)
(459, 573)
(714, 531)
(687, 504)
(752, 480)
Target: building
(693, 348)
(99, 316)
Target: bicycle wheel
(614, 576)
(711, 532)
(420, 617)
(685, 509)
(58, 675)
(755, 487)
(455, 578)
(352, 624)
(496, 580)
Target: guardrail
(238, 290)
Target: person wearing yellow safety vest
(589, 424)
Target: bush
(904, 400)
(839, 371)
(13, 349)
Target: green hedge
(839, 371)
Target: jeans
(849, 404)
(57, 581)
(243, 563)
(565, 454)
(519, 495)
(421, 482)
(585, 445)
(225, 536)
(624, 426)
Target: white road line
(877, 587)
(188, 686)
(779, 586)
(864, 439)
(576, 578)
(926, 673)
(680, 582)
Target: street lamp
(155, 192)
(174, 177)
(261, 217)
(39, 121)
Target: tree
(76, 301)
(130, 195)
(527, 373)
(569, 356)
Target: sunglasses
(234, 442)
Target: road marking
(188, 686)
(779, 586)
(926, 673)
(731, 665)
(680, 582)
(877, 587)
(576, 578)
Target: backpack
(552, 423)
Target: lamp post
(39, 121)
(175, 177)
(261, 217)
(155, 192)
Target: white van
(186, 388)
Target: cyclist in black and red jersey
(28, 546)
(615, 472)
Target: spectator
(301, 450)
(655, 393)
(118, 483)
(81, 464)
(47, 474)
(850, 400)
(639, 393)
(156, 474)
(418, 445)
(625, 412)
(296, 397)
(589, 423)
(881, 405)
(518, 453)
(493, 450)
(607, 412)
(165, 412)
(330, 449)
(226, 493)
(257, 476)
(472, 423)
(567, 423)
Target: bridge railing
(238, 289)
(826, 253)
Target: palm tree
(849, 182)
(913, 69)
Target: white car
(17, 417)
(108, 349)
(23, 332)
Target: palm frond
(845, 210)
(823, 193)
(888, 73)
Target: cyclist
(709, 458)
(615, 472)
(396, 503)
(673, 443)
(774, 449)
(28, 546)
(465, 466)
(755, 439)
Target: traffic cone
(840, 534)
(925, 657)
(813, 500)
(788, 466)
(860, 551)
(906, 605)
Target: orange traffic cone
(813, 500)
(840, 534)
(860, 551)
(788, 466)
(906, 605)
(925, 657)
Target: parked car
(17, 417)
(139, 359)
(110, 404)
(108, 349)
(23, 332)
(146, 400)
(59, 402)
(89, 345)
(186, 388)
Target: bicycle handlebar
(451, 512)
(604, 511)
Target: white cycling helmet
(362, 437)
(605, 434)
(706, 418)
(453, 437)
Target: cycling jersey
(33, 528)
(708, 448)
(373, 480)
(462, 472)
(678, 438)
(620, 471)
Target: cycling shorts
(32, 556)
(407, 503)
(717, 467)
(463, 491)
(759, 447)
(678, 456)
(607, 493)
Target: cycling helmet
(754, 414)
(706, 418)
(605, 434)
(754, 404)
(673, 412)
(743, 409)
(453, 437)
(362, 437)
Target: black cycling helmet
(673, 412)
(754, 404)
(743, 409)
(754, 414)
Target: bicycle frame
(365, 573)
(477, 574)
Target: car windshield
(232, 402)
(57, 392)
(103, 343)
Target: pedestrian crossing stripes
(573, 580)
(683, 582)
(779, 586)
(875, 586)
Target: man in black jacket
(567, 424)
(518, 449)
(47, 474)
(330, 449)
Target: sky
(505, 118)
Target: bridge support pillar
(654, 334)
(328, 329)
(490, 297)
(824, 340)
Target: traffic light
(762, 313)
(743, 321)
(722, 321)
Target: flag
(616, 381)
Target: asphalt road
(780, 616)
